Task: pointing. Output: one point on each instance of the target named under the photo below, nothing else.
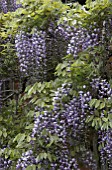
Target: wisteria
(68, 125)
(31, 51)
(65, 125)
(43, 48)
(105, 142)
(4, 163)
(39, 52)
(6, 6)
(22, 43)
(82, 40)
(26, 159)
(101, 88)
(50, 44)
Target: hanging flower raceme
(31, 52)
(6, 6)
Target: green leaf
(31, 167)
(16, 138)
(30, 113)
(100, 123)
(34, 99)
(105, 119)
(1, 118)
(44, 155)
(27, 88)
(19, 138)
(105, 126)
(92, 102)
(20, 145)
(29, 126)
(0, 133)
(97, 103)
(49, 157)
(28, 138)
(110, 117)
(22, 137)
(89, 118)
(6, 156)
(93, 123)
(110, 124)
(33, 89)
(102, 105)
(30, 91)
(5, 134)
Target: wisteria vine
(62, 133)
